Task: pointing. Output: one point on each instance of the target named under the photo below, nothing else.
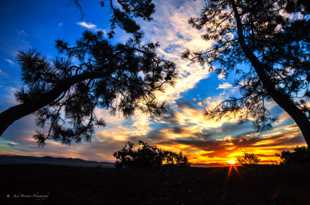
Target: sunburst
(233, 165)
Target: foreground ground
(46, 184)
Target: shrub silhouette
(248, 159)
(147, 156)
(300, 155)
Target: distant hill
(15, 159)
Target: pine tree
(271, 37)
(92, 73)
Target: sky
(36, 24)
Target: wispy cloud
(90, 26)
(171, 29)
(224, 86)
(87, 25)
(9, 61)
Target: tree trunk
(16, 112)
(282, 99)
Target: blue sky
(36, 24)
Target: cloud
(212, 151)
(170, 27)
(95, 150)
(9, 61)
(224, 86)
(192, 122)
(12, 144)
(283, 119)
(187, 130)
(90, 26)
(120, 128)
(173, 48)
(87, 25)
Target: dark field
(42, 184)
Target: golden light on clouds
(205, 140)
(221, 151)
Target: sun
(232, 167)
(231, 162)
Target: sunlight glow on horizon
(232, 161)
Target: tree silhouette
(64, 93)
(172, 158)
(300, 155)
(248, 159)
(124, 14)
(272, 38)
(146, 156)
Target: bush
(300, 155)
(145, 155)
(248, 159)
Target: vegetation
(272, 40)
(300, 155)
(147, 156)
(248, 159)
(268, 185)
(65, 92)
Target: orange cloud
(266, 146)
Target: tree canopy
(248, 159)
(125, 14)
(265, 45)
(300, 155)
(144, 155)
(92, 73)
